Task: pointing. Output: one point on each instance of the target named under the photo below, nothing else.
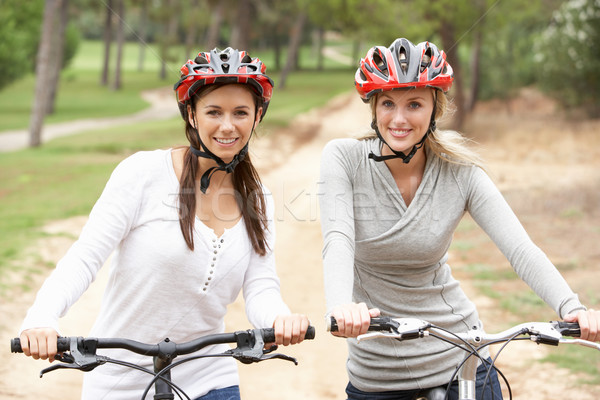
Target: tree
(42, 71)
(568, 55)
(57, 57)
(217, 11)
(107, 42)
(241, 25)
(294, 45)
(20, 23)
(120, 11)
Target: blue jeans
(228, 393)
(493, 386)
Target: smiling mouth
(399, 132)
(226, 141)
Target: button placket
(216, 245)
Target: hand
(39, 343)
(353, 319)
(589, 323)
(290, 329)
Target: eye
(414, 105)
(387, 103)
(241, 113)
(213, 112)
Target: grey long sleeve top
(393, 257)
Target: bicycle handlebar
(65, 343)
(550, 333)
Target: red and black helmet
(223, 66)
(402, 65)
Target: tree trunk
(143, 34)
(295, 38)
(170, 37)
(320, 44)
(107, 41)
(120, 41)
(216, 19)
(42, 73)
(277, 48)
(475, 56)
(448, 36)
(240, 33)
(57, 57)
(192, 32)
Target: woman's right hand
(353, 319)
(39, 343)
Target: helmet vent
(362, 75)
(200, 60)
(426, 59)
(403, 59)
(380, 63)
(246, 59)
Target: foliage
(20, 24)
(507, 60)
(568, 55)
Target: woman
(389, 206)
(192, 226)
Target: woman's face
(403, 117)
(225, 118)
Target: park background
(526, 90)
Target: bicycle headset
(403, 66)
(221, 67)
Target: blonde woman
(390, 203)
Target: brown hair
(246, 184)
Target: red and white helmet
(223, 66)
(402, 65)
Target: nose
(226, 123)
(399, 116)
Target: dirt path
(289, 162)
(161, 107)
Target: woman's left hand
(589, 323)
(290, 329)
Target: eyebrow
(413, 97)
(217, 106)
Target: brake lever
(251, 348)
(76, 359)
(401, 329)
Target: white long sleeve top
(157, 287)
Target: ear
(259, 113)
(190, 116)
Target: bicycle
(548, 333)
(80, 353)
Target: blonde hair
(448, 145)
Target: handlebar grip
(15, 345)
(62, 344)
(377, 324)
(269, 334)
(568, 328)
